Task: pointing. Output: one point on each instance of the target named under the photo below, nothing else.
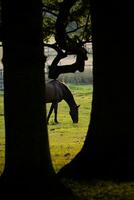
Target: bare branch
(76, 29)
(55, 70)
(64, 43)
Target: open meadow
(66, 140)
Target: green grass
(66, 140)
(102, 190)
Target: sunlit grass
(66, 139)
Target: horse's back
(53, 91)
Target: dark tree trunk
(27, 150)
(108, 151)
(28, 166)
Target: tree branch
(46, 9)
(76, 29)
(67, 44)
(55, 70)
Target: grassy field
(66, 140)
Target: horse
(55, 92)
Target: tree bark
(109, 145)
(65, 43)
(28, 167)
(26, 134)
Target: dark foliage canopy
(66, 28)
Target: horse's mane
(63, 84)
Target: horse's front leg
(55, 112)
(50, 112)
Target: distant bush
(85, 77)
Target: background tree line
(85, 77)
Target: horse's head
(74, 113)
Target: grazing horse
(55, 92)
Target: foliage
(79, 21)
(82, 78)
(69, 24)
(78, 78)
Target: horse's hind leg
(55, 112)
(50, 112)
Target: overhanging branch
(66, 45)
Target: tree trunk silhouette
(109, 144)
(28, 167)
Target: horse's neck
(68, 97)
